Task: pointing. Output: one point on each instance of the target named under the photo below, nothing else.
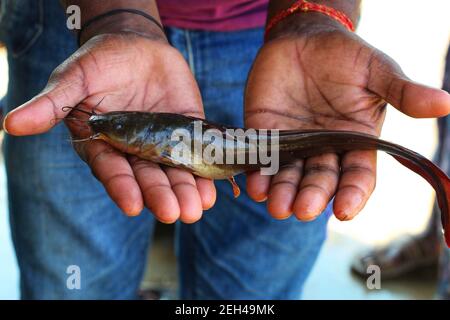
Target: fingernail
(353, 206)
(4, 123)
(314, 208)
(260, 197)
(133, 211)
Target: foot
(404, 255)
(156, 294)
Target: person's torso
(214, 15)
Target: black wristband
(114, 12)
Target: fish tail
(310, 143)
(440, 183)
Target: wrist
(293, 17)
(123, 23)
(302, 24)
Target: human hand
(320, 76)
(129, 72)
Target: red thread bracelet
(305, 6)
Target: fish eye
(119, 127)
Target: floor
(324, 282)
(402, 200)
(9, 276)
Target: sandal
(402, 256)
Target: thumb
(387, 80)
(66, 87)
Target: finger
(258, 186)
(358, 178)
(207, 192)
(389, 82)
(156, 190)
(318, 185)
(113, 170)
(283, 190)
(185, 188)
(66, 87)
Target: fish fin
(236, 190)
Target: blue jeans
(61, 215)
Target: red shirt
(213, 15)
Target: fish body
(150, 136)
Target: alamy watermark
(73, 17)
(73, 281)
(374, 280)
(232, 146)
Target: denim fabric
(60, 215)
